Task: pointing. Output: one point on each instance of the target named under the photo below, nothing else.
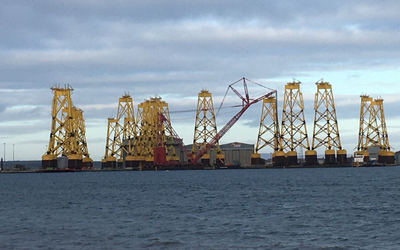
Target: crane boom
(246, 103)
(228, 125)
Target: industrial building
(397, 157)
(235, 154)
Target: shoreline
(185, 168)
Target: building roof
(236, 145)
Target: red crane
(246, 103)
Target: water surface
(338, 208)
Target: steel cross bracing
(268, 134)
(169, 138)
(205, 124)
(68, 134)
(121, 129)
(81, 133)
(60, 136)
(113, 139)
(172, 132)
(150, 134)
(148, 137)
(364, 123)
(246, 103)
(372, 131)
(130, 136)
(326, 129)
(373, 136)
(139, 142)
(380, 114)
(293, 129)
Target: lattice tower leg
(363, 127)
(385, 156)
(326, 129)
(268, 133)
(61, 139)
(293, 129)
(205, 127)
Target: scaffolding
(326, 129)
(205, 128)
(268, 133)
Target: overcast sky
(174, 49)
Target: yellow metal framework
(81, 134)
(139, 154)
(205, 127)
(61, 113)
(148, 122)
(67, 136)
(372, 131)
(130, 136)
(268, 133)
(121, 131)
(326, 129)
(381, 121)
(169, 138)
(293, 129)
(364, 128)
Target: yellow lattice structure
(67, 136)
(87, 162)
(120, 134)
(293, 129)
(148, 127)
(205, 128)
(326, 129)
(362, 145)
(136, 156)
(130, 140)
(268, 133)
(373, 130)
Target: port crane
(246, 103)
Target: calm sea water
(348, 208)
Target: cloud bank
(175, 49)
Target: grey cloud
(175, 49)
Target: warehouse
(236, 153)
